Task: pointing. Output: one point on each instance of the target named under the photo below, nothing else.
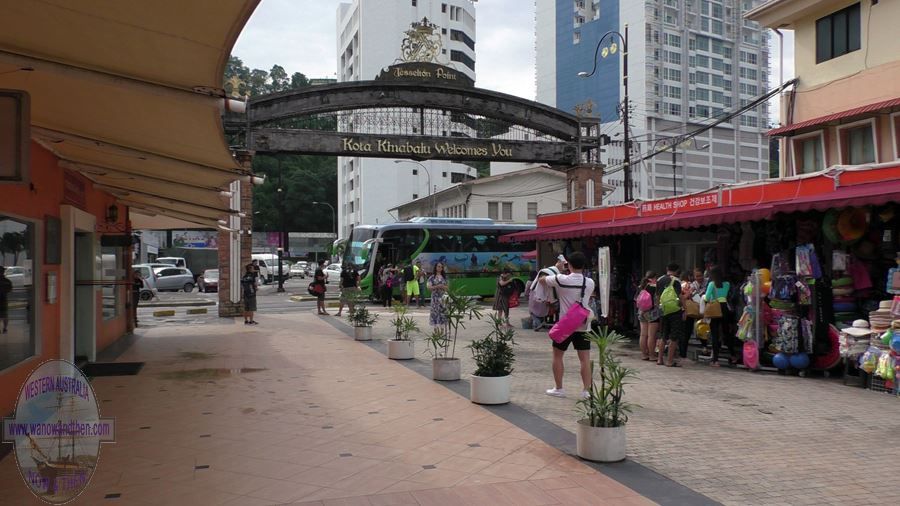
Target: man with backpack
(671, 324)
(411, 282)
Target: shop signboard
(603, 275)
(684, 204)
(195, 239)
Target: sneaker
(556, 392)
(585, 394)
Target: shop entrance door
(85, 318)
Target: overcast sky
(300, 36)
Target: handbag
(692, 309)
(572, 320)
(513, 300)
(315, 289)
(713, 309)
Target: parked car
(19, 276)
(174, 279)
(146, 271)
(332, 271)
(298, 270)
(209, 281)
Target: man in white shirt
(571, 289)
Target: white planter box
(401, 350)
(362, 333)
(445, 369)
(600, 444)
(486, 390)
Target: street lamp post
(431, 210)
(281, 232)
(333, 217)
(625, 109)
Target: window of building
(413, 3)
(415, 196)
(702, 94)
(443, 174)
(443, 7)
(462, 58)
(415, 172)
(351, 185)
(672, 91)
(351, 206)
(507, 211)
(589, 193)
(717, 27)
(112, 271)
(461, 36)
(748, 73)
(809, 153)
(18, 342)
(895, 126)
(702, 78)
(532, 210)
(674, 109)
(494, 210)
(673, 57)
(838, 33)
(673, 40)
(702, 61)
(857, 143)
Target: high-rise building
(370, 37)
(689, 62)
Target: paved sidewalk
(292, 411)
(734, 436)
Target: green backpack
(669, 301)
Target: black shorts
(578, 340)
(250, 303)
(672, 326)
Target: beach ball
(781, 361)
(799, 360)
(852, 223)
(765, 275)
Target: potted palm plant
(458, 309)
(401, 347)
(494, 358)
(362, 320)
(600, 434)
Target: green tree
(298, 81)
(305, 179)
(13, 243)
(278, 78)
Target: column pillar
(235, 247)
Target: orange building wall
(43, 198)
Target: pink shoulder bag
(572, 320)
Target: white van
(176, 261)
(268, 263)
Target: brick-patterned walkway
(735, 436)
(292, 411)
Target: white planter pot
(401, 350)
(486, 390)
(600, 444)
(445, 369)
(362, 333)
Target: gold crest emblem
(422, 43)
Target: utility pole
(628, 184)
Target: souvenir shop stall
(814, 260)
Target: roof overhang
(885, 106)
(130, 93)
(785, 13)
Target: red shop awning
(531, 235)
(872, 194)
(858, 111)
(694, 219)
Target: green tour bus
(469, 249)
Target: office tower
(690, 61)
(370, 37)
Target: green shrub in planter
(403, 324)
(494, 355)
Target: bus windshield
(357, 252)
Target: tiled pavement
(293, 412)
(734, 436)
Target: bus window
(399, 245)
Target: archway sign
(420, 110)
